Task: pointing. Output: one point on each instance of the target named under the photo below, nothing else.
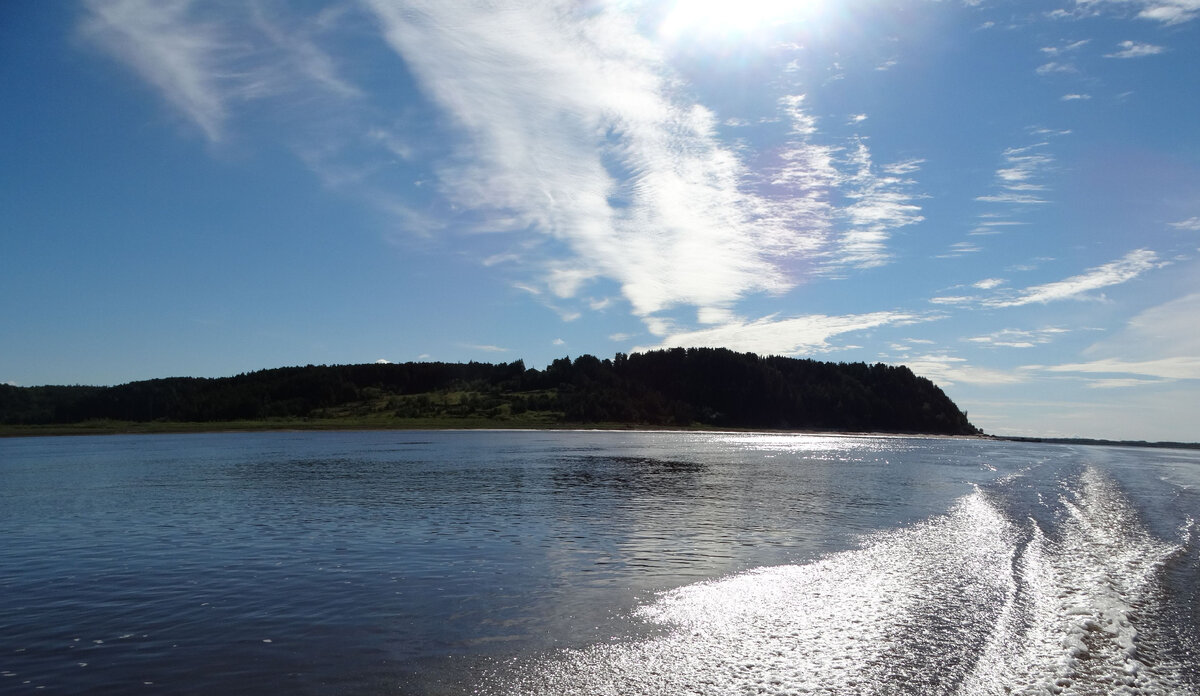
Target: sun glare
(732, 18)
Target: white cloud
(880, 205)
(1056, 67)
(1012, 198)
(1158, 345)
(203, 62)
(1133, 49)
(990, 227)
(1051, 132)
(1121, 382)
(772, 336)
(383, 361)
(1172, 12)
(960, 249)
(1023, 164)
(1017, 179)
(1165, 330)
(1076, 97)
(989, 283)
(169, 49)
(952, 300)
(1018, 338)
(1191, 224)
(715, 315)
(1124, 269)
(658, 326)
(1032, 265)
(485, 348)
(1065, 48)
(947, 370)
(558, 342)
(550, 96)
(563, 126)
(1173, 368)
(1165, 11)
(299, 55)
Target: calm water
(595, 563)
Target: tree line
(678, 387)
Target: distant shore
(705, 387)
(112, 427)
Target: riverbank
(529, 421)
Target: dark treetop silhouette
(711, 387)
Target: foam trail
(970, 603)
(853, 623)
(1071, 628)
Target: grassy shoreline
(114, 427)
(535, 422)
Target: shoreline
(336, 425)
(468, 424)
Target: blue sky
(1004, 196)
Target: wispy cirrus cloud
(169, 48)
(953, 300)
(1017, 179)
(1171, 368)
(205, 60)
(576, 132)
(1191, 224)
(560, 125)
(1165, 330)
(1122, 270)
(789, 336)
(958, 249)
(1116, 272)
(1165, 11)
(947, 369)
(881, 204)
(573, 131)
(486, 348)
(993, 226)
(1134, 49)
(1056, 67)
(1066, 47)
(1017, 338)
(1123, 382)
(1158, 345)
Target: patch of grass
(342, 419)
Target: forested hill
(678, 387)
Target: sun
(732, 18)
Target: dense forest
(697, 386)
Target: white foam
(844, 625)
(1068, 626)
(968, 603)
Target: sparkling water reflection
(510, 562)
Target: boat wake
(1022, 588)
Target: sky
(1004, 196)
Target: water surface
(594, 562)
